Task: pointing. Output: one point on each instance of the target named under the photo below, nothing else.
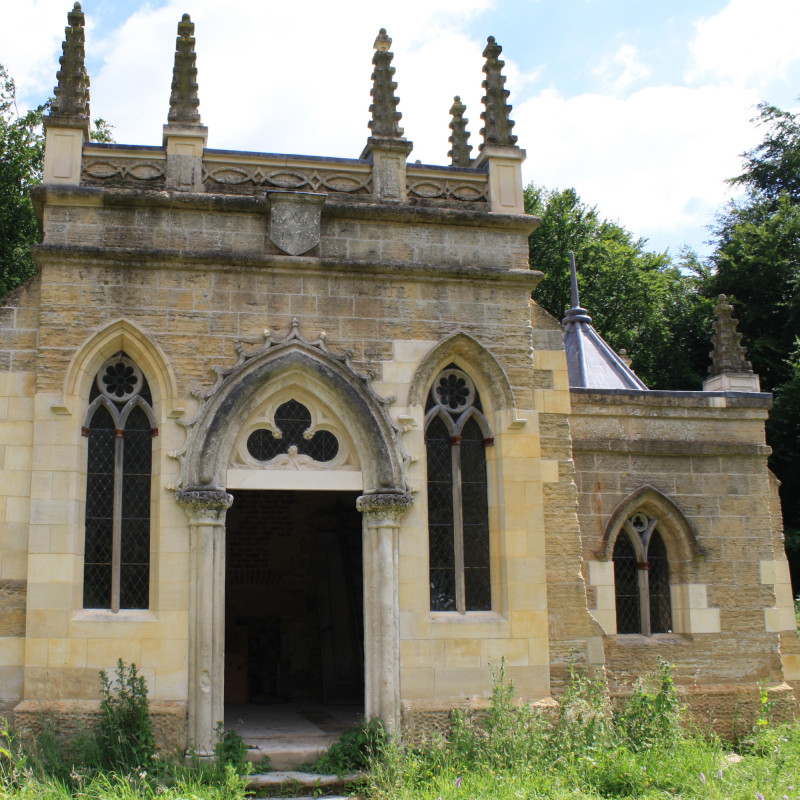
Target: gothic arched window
(120, 426)
(456, 437)
(641, 578)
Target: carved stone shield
(294, 220)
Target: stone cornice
(172, 259)
(105, 197)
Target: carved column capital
(380, 510)
(204, 506)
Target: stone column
(382, 513)
(206, 512)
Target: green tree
(756, 262)
(639, 300)
(21, 163)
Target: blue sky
(643, 107)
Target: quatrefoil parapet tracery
(292, 435)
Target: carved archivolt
(339, 402)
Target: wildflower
(719, 774)
(703, 778)
(759, 796)
(458, 783)
(143, 775)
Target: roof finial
(183, 101)
(573, 281)
(727, 355)
(459, 139)
(385, 116)
(496, 116)
(72, 92)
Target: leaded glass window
(456, 437)
(641, 578)
(120, 426)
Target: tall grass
(647, 749)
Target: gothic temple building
(285, 427)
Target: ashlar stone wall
(732, 611)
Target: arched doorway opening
(294, 615)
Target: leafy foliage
(639, 300)
(584, 751)
(756, 262)
(21, 162)
(354, 750)
(125, 733)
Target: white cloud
(747, 43)
(622, 68)
(292, 79)
(30, 39)
(656, 161)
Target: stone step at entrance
(289, 733)
(304, 783)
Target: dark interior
(294, 629)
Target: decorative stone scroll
(139, 171)
(242, 177)
(429, 188)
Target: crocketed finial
(183, 101)
(72, 91)
(727, 355)
(459, 138)
(385, 116)
(496, 115)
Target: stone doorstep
(302, 780)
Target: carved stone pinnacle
(184, 101)
(459, 138)
(71, 102)
(727, 355)
(496, 115)
(385, 116)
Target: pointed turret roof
(184, 101)
(385, 116)
(459, 138)
(497, 114)
(71, 104)
(591, 362)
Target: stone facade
(239, 282)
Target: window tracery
(641, 578)
(120, 426)
(456, 437)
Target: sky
(643, 106)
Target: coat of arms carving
(294, 220)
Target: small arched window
(456, 437)
(120, 426)
(641, 578)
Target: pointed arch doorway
(294, 615)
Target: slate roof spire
(71, 104)
(591, 362)
(184, 101)
(497, 113)
(459, 138)
(385, 116)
